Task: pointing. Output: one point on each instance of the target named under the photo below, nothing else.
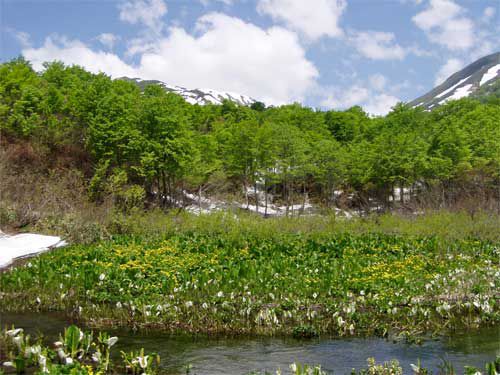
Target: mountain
(197, 96)
(480, 74)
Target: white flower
(37, 349)
(119, 305)
(43, 363)
(112, 341)
(143, 361)
(102, 276)
(189, 304)
(58, 344)
(315, 295)
(96, 357)
(220, 294)
(293, 367)
(18, 341)
(204, 305)
(14, 332)
(61, 354)
(340, 321)
(69, 360)
(8, 364)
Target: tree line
(148, 147)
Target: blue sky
(323, 53)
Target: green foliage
(341, 284)
(304, 332)
(165, 146)
(76, 353)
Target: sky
(328, 54)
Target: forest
(150, 148)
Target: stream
(234, 356)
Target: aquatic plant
(292, 284)
(76, 353)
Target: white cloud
(73, 52)
(451, 66)
(380, 104)
(375, 102)
(354, 95)
(146, 12)
(377, 45)
(488, 14)
(225, 54)
(107, 39)
(22, 37)
(312, 18)
(444, 23)
(231, 54)
(207, 2)
(378, 81)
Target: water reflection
(242, 355)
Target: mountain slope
(197, 96)
(480, 74)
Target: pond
(211, 356)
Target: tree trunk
(304, 196)
(256, 196)
(246, 193)
(286, 194)
(199, 199)
(265, 196)
(164, 194)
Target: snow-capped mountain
(481, 73)
(197, 96)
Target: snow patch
(452, 87)
(490, 74)
(461, 92)
(26, 244)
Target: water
(233, 356)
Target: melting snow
(461, 92)
(452, 87)
(490, 74)
(22, 245)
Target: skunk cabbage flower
(14, 332)
(143, 361)
(112, 341)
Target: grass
(446, 225)
(253, 282)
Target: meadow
(226, 280)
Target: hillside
(481, 74)
(197, 95)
